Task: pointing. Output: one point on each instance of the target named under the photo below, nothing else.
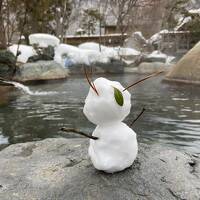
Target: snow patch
(25, 52)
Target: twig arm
(79, 133)
(138, 117)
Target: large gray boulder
(60, 169)
(114, 67)
(41, 70)
(187, 70)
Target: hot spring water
(39, 111)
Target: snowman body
(116, 147)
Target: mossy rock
(7, 63)
(43, 54)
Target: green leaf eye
(118, 96)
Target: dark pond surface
(172, 116)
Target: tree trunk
(2, 32)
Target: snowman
(116, 147)
(113, 145)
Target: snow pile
(156, 38)
(170, 59)
(92, 46)
(77, 56)
(89, 53)
(116, 148)
(112, 52)
(139, 35)
(126, 51)
(157, 54)
(194, 11)
(25, 52)
(44, 40)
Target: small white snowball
(116, 148)
(103, 109)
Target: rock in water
(187, 70)
(153, 67)
(103, 108)
(59, 169)
(41, 70)
(116, 148)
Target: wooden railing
(108, 40)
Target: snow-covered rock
(25, 52)
(112, 52)
(136, 41)
(104, 108)
(44, 40)
(156, 38)
(92, 46)
(157, 54)
(126, 51)
(78, 56)
(116, 148)
(89, 53)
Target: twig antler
(90, 82)
(141, 80)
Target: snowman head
(109, 104)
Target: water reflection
(172, 116)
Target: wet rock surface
(60, 169)
(41, 70)
(115, 67)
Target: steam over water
(27, 90)
(36, 112)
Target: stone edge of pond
(59, 168)
(174, 80)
